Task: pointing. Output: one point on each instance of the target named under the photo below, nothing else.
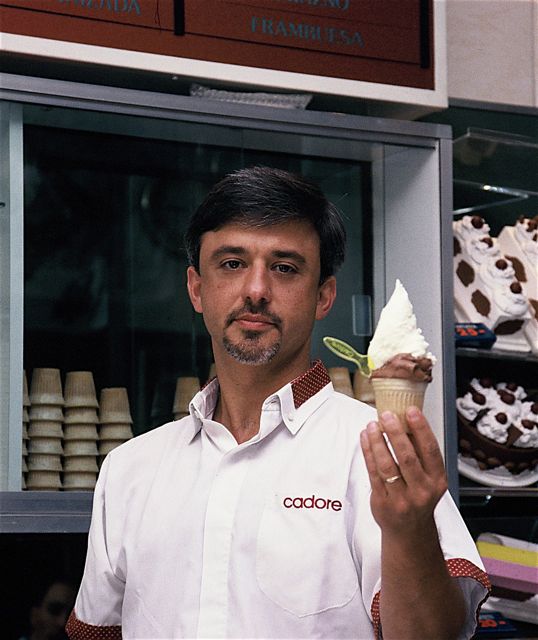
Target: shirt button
(290, 417)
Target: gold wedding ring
(392, 479)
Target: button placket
(220, 516)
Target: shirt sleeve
(98, 607)
(462, 560)
(459, 550)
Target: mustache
(258, 309)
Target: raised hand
(405, 490)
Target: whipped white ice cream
(397, 331)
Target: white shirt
(195, 536)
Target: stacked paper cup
(45, 430)
(186, 388)
(114, 418)
(25, 421)
(80, 432)
(341, 379)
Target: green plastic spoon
(347, 352)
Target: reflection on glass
(104, 263)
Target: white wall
(493, 51)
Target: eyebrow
(228, 249)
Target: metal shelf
(496, 354)
(45, 511)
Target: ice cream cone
(79, 448)
(186, 388)
(45, 445)
(341, 379)
(79, 480)
(81, 463)
(115, 432)
(396, 395)
(80, 389)
(43, 481)
(80, 432)
(106, 446)
(45, 429)
(362, 388)
(114, 406)
(81, 415)
(46, 387)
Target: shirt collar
(297, 399)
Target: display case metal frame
(412, 217)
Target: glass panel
(104, 265)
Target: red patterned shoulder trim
(457, 568)
(78, 630)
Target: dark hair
(264, 196)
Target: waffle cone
(114, 406)
(46, 387)
(80, 389)
(396, 395)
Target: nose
(257, 284)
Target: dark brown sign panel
(386, 41)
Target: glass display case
(496, 178)
(98, 186)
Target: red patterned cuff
(78, 630)
(457, 568)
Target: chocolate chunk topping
(534, 408)
(501, 417)
(487, 240)
(518, 268)
(532, 225)
(515, 287)
(512, 386)
(508, 327)
(506, 396)
(501, 264)
(478, 398)
(457, 246)
(534, 305)
(487, 383)
(528, 424)
(481, 303)
(465, 273)
(477, 222)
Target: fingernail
(372, 427)
(413, 413)
(388, 416)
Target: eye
(231, 264)
(285, 268)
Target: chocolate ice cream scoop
(407, 367)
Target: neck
(243, 389)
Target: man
(266, 513)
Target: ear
(194, 287)
(326, 297)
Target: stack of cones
(80, 432)
(25, 421)
(114, 418)
(341, 379)
(362, 388)
(45, 431)
(186, 388)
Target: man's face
(49, 618)
(259, 292)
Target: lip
(253, 321)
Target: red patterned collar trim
(309, 383)
(78, 630)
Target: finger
(406, 456)
(425, 442)
(384, 460)
(376, 482)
